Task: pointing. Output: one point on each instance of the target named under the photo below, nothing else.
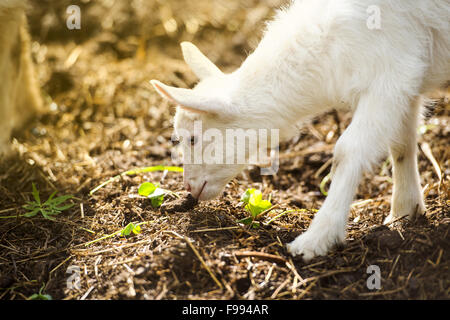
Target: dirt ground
(103, 118)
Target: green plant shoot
(323, 184)
(40, 295)
(130, 228)
(255, 205)
(135, 172)
(51, 207)
(153, 192)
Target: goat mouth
(201, 190)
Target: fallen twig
(260, 255)
(203, 262)
(216, 229)
(429, 154)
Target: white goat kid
(315, 56)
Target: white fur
(315, 56)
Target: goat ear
(199, 63)
(185, 98)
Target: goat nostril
(188, 187)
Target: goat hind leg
(407, 199)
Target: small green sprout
(255, 205)
(323, 184)
(136, 172)
(51, 207)
(40, 296)
(153, 192)
(130, 228)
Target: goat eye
(175, 140)
(193, 140)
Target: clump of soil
(186, 203)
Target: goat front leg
(357, 150)
(329, 225)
